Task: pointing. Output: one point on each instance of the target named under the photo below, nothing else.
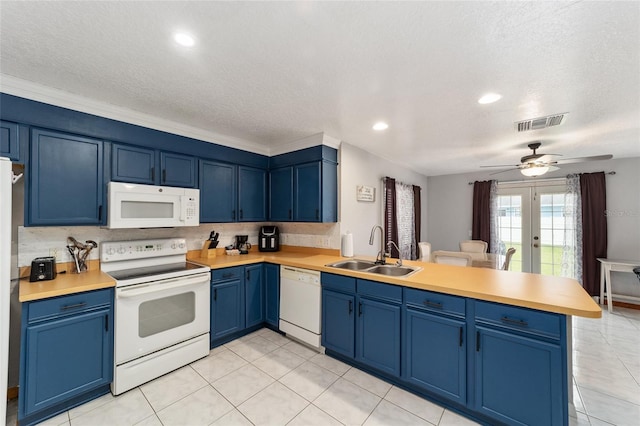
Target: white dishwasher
(300, 300)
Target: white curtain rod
(540, 180)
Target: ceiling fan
(534, 165)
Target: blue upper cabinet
(304, 186)
(281, 194)
(133, 164)
(217, 192)
(252, 194)
(148, 166)
(230, 193)
(307, 199)
(177, 170)
(65, 180)
(11, 135)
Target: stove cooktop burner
(154, 271)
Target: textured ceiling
(273, 72)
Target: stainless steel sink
(392, 270)
(370, 267)
(354, 264)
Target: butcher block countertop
(545, 293)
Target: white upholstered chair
(425, 251)
(474, 246)
(452, 258)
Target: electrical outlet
(318, 241)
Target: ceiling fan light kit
(534, 170)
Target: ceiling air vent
(540, 123)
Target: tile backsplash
(51, 241)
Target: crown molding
(37, 92)
(307, 142)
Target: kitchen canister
(347, 245)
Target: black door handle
(215, 294)
(241, 214)
(164, 175)
(350, 307)
(477, 341)
(460, 337)
(360, 309)
(100, 213)
(153, 173)
(289, 214)
(248, 274)
(106, 323)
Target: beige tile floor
(267, 379)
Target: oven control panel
(112, 251)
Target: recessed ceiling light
(184, 39)
(489, 98)
(380, 125)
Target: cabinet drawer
(65, 305)
(380, 290)
(521, 319)
(227, 274)
(432, 301)
(338, 282)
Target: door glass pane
(552, 233)
(146, 210)
(510, 228)
(158, 315)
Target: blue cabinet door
(338, 322)
(133, 164)
(435, 354)
(10, 140)
(272, 294)
(65, 358)
(519, 380)
(177, 170)
(217, 182)
(281, 194)
(252, 194)
(254, 295)
(227, 308)
(66, 183)
(307, 202)
(378, 335)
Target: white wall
(358, 167)
(451, 198)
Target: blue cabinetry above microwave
(148, 166)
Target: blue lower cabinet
(435, 354)
(254, 295)
(338, 322)
(66, 353)
(519, 380)
(378, 335)
(272, 294)
(227, 308)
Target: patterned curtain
(572, 249)
(406, 221)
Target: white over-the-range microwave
(150, 206)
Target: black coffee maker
(242, 244)
(269, 238)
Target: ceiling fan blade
(503, 165)
(553, 168)
(502, 171)
(546, 158)
(581, 159)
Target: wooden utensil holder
(207, 252)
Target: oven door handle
(139, 290)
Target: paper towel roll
(347, 245)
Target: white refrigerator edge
(5, 279)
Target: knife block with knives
(209, 246)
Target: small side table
(607, 266)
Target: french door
(532, 220)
